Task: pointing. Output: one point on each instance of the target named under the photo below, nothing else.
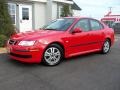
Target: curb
(3, 50)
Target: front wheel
(53, 55)
(106, 47)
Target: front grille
(12, 42)
(21, 56)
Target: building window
(25, 13)
(12, 12)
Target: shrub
(3, 40)
(66, 11)
(6, 26)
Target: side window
(95, 25)
(83, 24)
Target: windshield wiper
(49, 29)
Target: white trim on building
(43, 11)
(39, 0)
(64, 1)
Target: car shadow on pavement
(84, 56)
(22, 63)
(5, 58)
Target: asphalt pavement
(88, 72)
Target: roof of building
(75, 6)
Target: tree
(66, 11)
(6, 27)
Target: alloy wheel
(52, 55)
(106, 46)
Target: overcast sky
(98, 8)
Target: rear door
(96, 34)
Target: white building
(33, 14)
(76, 10)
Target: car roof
(80, 17)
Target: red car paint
(72, 43)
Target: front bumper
(24, 54)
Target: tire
(106, 47)
(53, 55)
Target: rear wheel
(53, 55)
(106, 47)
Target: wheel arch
(109, 40)
(57, 43)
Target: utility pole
(110, 9)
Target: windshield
(59, 24)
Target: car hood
(36, 34)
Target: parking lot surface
(88, 72)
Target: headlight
(26, 43)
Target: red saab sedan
(62, 38)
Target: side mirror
(77, 30)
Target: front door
(25, 17)
(80, 42)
